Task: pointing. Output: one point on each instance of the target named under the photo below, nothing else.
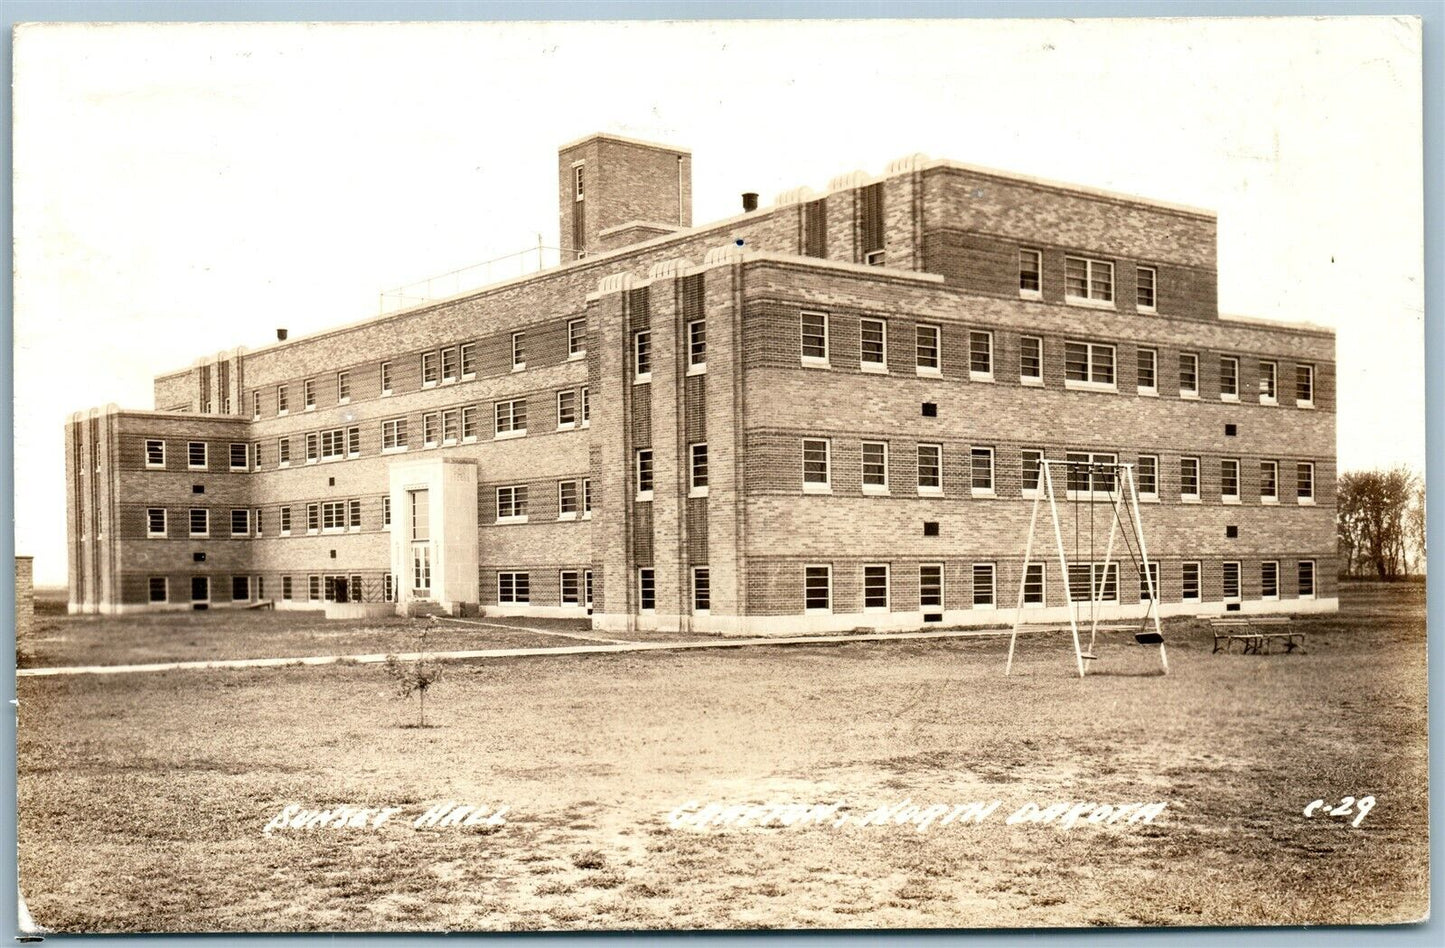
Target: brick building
(826, 413)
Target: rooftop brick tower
(614, 191)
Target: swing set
(1092, 484)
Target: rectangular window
(1090, 580)
(333, 516)
(421, 520)
(815, 338)
(980, 356)
(1269, 482)
(159, 589)
(1188, 375)
(256, 455)
(570, 584)
(386, 378)
(1189, 582)
(393, 434)
(449, 364)
(1146, 580)
(646, 590)
(982, 471)
(577, 182)
(333, 444)
(1230, 575)
(1148, 277)
(1304, 386)
(930, 468)
(1306, 579)
(1269, 580)
(1268, 377)
(519, 351)
(926, 347)
(1034, 585)
(512, 504)
(428, 369)
(386, 510)
(255, 404)
(566, 410)
(1088, 365)
(815, 465)
(240, 588)
(1188, 478)
(200, 522)
(1148, 471)
(1031, 360)
(514, 589)
(815, 228)
(511, 418)
(283, 452)
(1229, 480)
(697, 346)
(353, 442)
(870, 223)
(644, 474)
(468, 352)
(286, 588)
(313, 588)
(818, 588)
(983, 591)
(1032, 471)
(196, 455)
(586, 497)
(930, 586)
(1228, 379)
(313, 518)
(343, 387)
(1031, 274)
(701, 589)
(240, 522)
(353, 514)
(566, 500)
(875, 588)
(873, 345)
(1148, 372)
(286, 521)
(642, 356)
(451, 425)
(576, 338)
(1305, 479)
(155, 454)
(698, 486)
(308, 389)
(875, 467)
(469, 423)
(586, 406)
(156, 522)
(1088, 473)
(1088, 280)
(282, 399)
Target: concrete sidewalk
(600, 649)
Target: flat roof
(625, 140)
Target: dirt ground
(144, 798)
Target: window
(156, 522)
(697, 346)
(282, 399)
(1088, 580)
(240, 588)
(511, 418)
(586, 497)
(870, 223)
(428, 369)
(393, 434)
(469, 360)
(239, 457)
(451, 425)
(1088, 280)
(587, 588)
(1188, 478)
(1148, 481)
(1148, 582)
(1188, 375)
(930, 586)
(1088, 365)
(1304, 386)
(200, 522)
(982, 472)
(1230, 575)
(1268, 482)
(926, 348)
(333, 444)
(646, 589)
(512, 504)
(576, 338)
(196, 455)
(155, 454)
(514, 589)
(1229, 480)
(386, 510)
(815, 466)
(1031, 360)
(469, 423)
(255, 404)
(642, 356)
(1269, 580)
(286, 589)
(1031, 272)
(308, 389)
(566, 500)
(286, 521)
(815, 338)
(386, 378)
(519, 351)
(1087, 473)
(333, 516)
(353, 514)
(698, 486)
(644, 474)
(1189, 582)
(1147, 278)
(1228, 379)
(313, 518)
(449, 364)
(1148, 372)
(875, 588)
(570, 584)
(701, 589)
(577, 182)
(586, 406)
(1034, 585)
(983, 591)
(566, 410)
(818, 588)
(240, 522)
(1268, 377)
(875, 467)
(873, 345)
(815, 228)
(1305, 479)
(343, 387)
(980, 356)
(930, 468)
(353, 442)
(1306, 579)
(421, 523)
(1033, 471)
(159, 589)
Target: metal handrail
(476, 276)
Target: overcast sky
(181, 190)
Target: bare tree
(1373, 520)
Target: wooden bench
(1254, 633)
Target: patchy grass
(143, 797)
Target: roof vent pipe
(280, 335)
(750, 201)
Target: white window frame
(920, 368)
(205, 531)
(879, 366)
(646, 576)
(820, 361)
(398, 431)
(1314, 579)
(513, 599)
(255, 404)
(467, 356)
(245, 464)
(450, 365)
(696, 366)
(1153, 306)
(992, 570)
(454, 415)
(1147, 390)
(586, 498)
(576, 575)
(827, 569)
(974, 453)
(285, 520)
(585, 408)
(1189, 393)
(1309, 368)
(577, 181)
(245, 530)
(1194, 497)
(695, 489)
(384, 379)
(512, 431)
(1262, 593)
(519, 348)
(575, 351)
(874, 489)
(929, 490)
(1090, 264)
(343, 387)
(1152, 496)
(887, 588)
(165, 523)
(154, 465)
(1224, 594)
(563, 514)
(1235, 497)
(1036, 381)
(707, 574)
(1089, 383)
(1038, 258)
(1269, 498)
(571, 395)
(642, 339)
(1223, 395)
(1026, 491)
(205, 456)
(1043, 599)
(826, 485)
(1305, 500)
(469, 423)
(517, 499)
(942, 583)
(308, 394)
(1198, 581)
(283, 400)
(975, 375)
(1093, 457)
(1274, 383)
(638, 457)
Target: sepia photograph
(720, 475)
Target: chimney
(750, 201)
(280, 335)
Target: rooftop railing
(475, 277)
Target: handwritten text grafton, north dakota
(446, 815)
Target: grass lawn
(143, 797)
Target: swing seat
(1148, 638)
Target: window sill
(644, 497)
(819, 611)
(1149, 392)
(876, 490)
(519, 366)
(1149, 310)
(873, 368)
(1306, 501)
(1274, 598)
(1032, 494)
(566, 516)
(928, 372)
(576, 356)
(469, 376)
(697, 492)
(1308, 596)
(240, 470)
(155, 536)
(1307, 405)
(386, 393)
(189, 467)
(1266, 400)
(504, 435)
(642, 379)
(1230, 500)
(446, 381)
(817, 488)
(427, 446)
(1088, 303)
(699, 369)
(1029, 381)
(1189, 498)
(1031, 294)
(398, 450)
(930, 492)
(1076, 385)
(567, 426)
(875, 610)
(1149, 498)
(1189, 396)
(984, 606)
(1228, 398)
(344, 401)
(309, 408)
(586, 424)
(586, 515)
(982, 492)
(282, 412)
(155, 467)
(980, 376)
(285, 533)
(1269, 501)
(816, 363)
(518, 519)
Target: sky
(184, 189)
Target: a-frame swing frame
(1121, 479)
